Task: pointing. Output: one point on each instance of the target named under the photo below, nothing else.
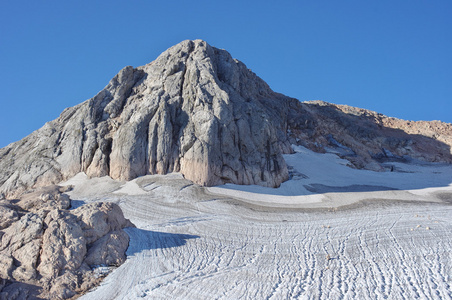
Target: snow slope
(295, 242)
(326, 181)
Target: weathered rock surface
(194, 110)
(49, 251)
(366, 138)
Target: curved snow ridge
(131, 188)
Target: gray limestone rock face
(193, 110)
(53, 251)
(7, 216)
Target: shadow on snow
(141, 239)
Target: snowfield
(331, 232)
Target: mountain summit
(194, 110)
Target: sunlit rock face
(193, 110)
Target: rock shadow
(355, 188)
(76, 204)
(368, 129)
(11, 289)
(141, 240)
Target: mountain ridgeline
(197, 111)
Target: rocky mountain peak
(193, 110)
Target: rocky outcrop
(51, 252)
(368, 139)
(194, 110)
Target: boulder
(53, 251)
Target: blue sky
(394, 57)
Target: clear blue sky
(394, 57)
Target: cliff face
(193, 110)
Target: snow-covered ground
(331, 232)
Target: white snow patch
(328, 179)
(94, 188)
(131, 188)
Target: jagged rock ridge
(194, 110)
(368, 139)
